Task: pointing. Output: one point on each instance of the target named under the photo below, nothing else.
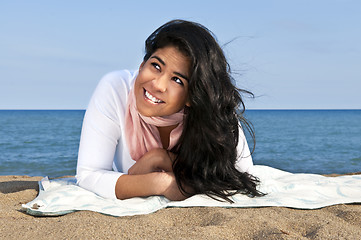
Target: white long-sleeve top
(103, 153)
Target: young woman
(172, 128)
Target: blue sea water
(308, 141)
(39, 142)
(45, 142)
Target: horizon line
(262, 109)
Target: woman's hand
(171, 190)
(154, 175)
(156, 160)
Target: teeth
(153, 99)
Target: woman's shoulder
(120, 78)
(112, 91)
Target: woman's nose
(160, 83)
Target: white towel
(304, 191)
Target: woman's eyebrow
(181, 75)
(163, 63)
(159, 59)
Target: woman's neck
(164, 133)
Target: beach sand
(333, 222)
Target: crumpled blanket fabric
(284, 189)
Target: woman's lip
(149, 97)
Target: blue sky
(290, 54)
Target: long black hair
(206, 153)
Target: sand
(333, 222)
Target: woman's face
(161, 87)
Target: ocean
(45, 142)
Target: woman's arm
(244, 162)
(155, 183)
(101, 133)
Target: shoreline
(338, 221)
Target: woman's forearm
(155, 183)
(144, 185)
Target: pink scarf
(141, 132)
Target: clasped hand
(159, 160)
(156, 160)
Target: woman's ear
(141, 65)
(188, 104)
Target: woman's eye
(177, 80)
(156, 66)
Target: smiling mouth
(151, 98)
